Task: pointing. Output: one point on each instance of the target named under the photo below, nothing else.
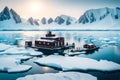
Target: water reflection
(46, 69)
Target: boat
(50, 44)
(88, 48)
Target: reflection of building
(50, 41)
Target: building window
(43, 42)
(39, 42)
(47, 43)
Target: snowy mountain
(10, 20)
(64, 19)
(50, 20)
(43, 20)
(33, 21)
(7, 14)
(94, 15)
(91, 19)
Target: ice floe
(34, 53)
(75, 53)
(77, 63)
(3, 47)
(11, 63)
(14, 50)
(59, 76)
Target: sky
(53, 8)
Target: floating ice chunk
(76, 53)
(15, 50)
(34, 53)
(18, 38)
(3, 47)
(77, 63)
(112, 42)
(104, 39)
(12, 63)
(19, 68)
(59, 76)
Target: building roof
(45, 40)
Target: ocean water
(108, 41)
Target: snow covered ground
(11, 63)
(59, 76)
(77, 63)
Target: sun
(36, 7)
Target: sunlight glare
(36, 7)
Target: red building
(50, 41)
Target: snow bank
(11, 63)
(77, 63)
(60, 76)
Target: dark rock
(5, 14)
(16, 17)
(50, 20)
(59, 20)
(43, 20)
(31, 21)
(36, 22)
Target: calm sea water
(109, 42)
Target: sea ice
(59, 76)
(3, 47)
(34, 53)
(77, 63)
(11, 63)
(75, 53)
(14, 50)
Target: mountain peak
(94, 15)
(5, 14)
(15, 16)
(6, 8)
